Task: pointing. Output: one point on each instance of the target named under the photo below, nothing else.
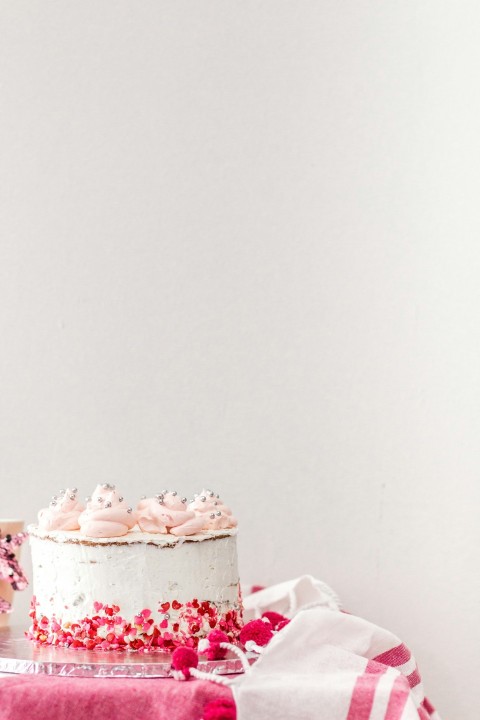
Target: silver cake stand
(19, 655)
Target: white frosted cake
(111, 577)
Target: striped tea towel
(327, 664)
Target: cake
(109, 577)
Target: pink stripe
(398, 698)
(422, 713)
(414, 678)
(364, 693)
(428, 706)
(396, 656)
(375, 668)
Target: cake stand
(22, 656)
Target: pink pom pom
(257, 630)
(274, 618)
(221, 709)
(282, 624)
(214, 651)
(217, 636)
(183, 659)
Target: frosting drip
(107, 514)
(62, 513)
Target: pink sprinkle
(146, 613)
(98, 606)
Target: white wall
(240, 247)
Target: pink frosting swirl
(107, 514)
(165, 513)
(62, 513)
(213, 511)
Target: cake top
(106, 514)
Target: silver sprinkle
(218, 513)
(99, 499)
(203, 498)
(120, 499)
(129, 510)
(211, 494)
(212, 515)
(62, 491)
(217, 495)
(160, 501)
(184, 501)
(88, 499)
(174, 492)
(72, 497)
(167, 616)
(164, 492)
(144, 497)
(74, 491)
(160, 495)
(105, 486)
(108, 504)
(54, 497)
(54, 502)
(215, 503)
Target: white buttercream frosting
(138, 570)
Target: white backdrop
(240, 247)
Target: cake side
(135, 596)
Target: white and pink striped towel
(327, 664)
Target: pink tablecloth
(32, 697)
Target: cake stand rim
(21, 656)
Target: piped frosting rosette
(213, 511)
(106, 514)
(62, 513)
(165, 513)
